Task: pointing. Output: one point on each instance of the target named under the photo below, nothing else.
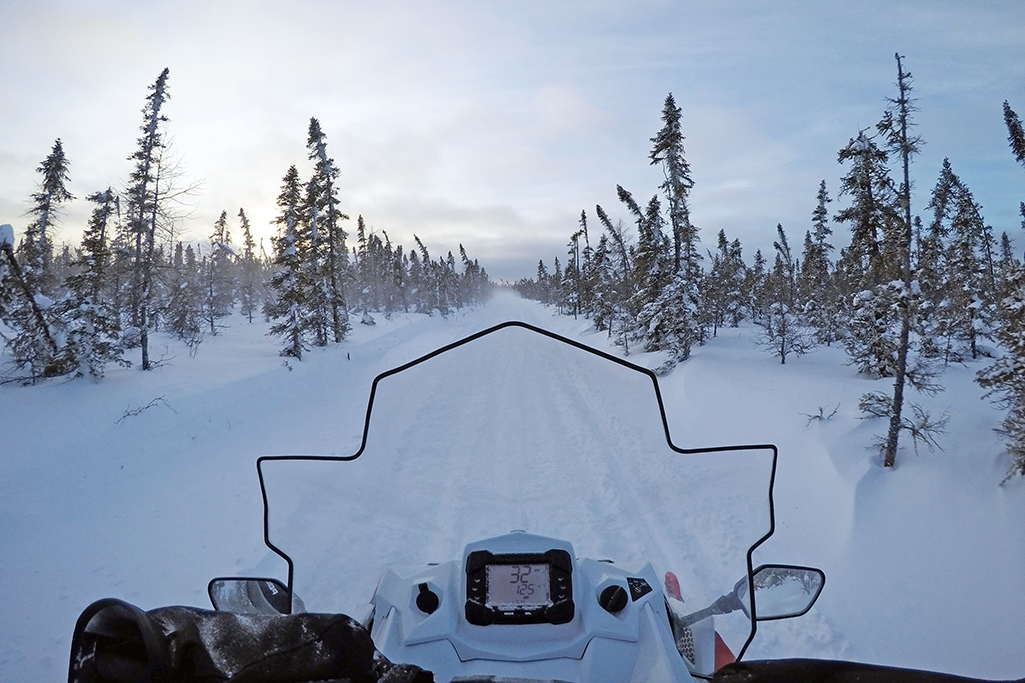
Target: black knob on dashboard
(427, 601)
(613, 599)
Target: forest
(71, 311)
(916, 289)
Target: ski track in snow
(924, 564)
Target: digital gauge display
(518, 586)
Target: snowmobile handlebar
(724, 605)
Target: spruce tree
(218, 285)
(543, 282)
(755, 287)
(968, 276)
(143, 210)
(400, 277)
(1006, 256)
(872, 208)
(618, 274)
(474, 280)
(713, 290)
(736, 275)
(36, 252)
(1015, 133)
(362, 268)
(287, 307)
(119, 270)
(248, 270)
(722, 292)
(783, 333)
(652, 259)
(668, 151)
(931, 267)
(315, 263)
(577, 266)
(326, 218)
(873, 331)
(671, 321)
(820, 221)
(183, 314)
(602, 299)
(91, 326)
(449, 280)
(817, 287)
(416, 281)
(573, 274)
(588, 273)
(427, 288)
(379, 278)
(896, 127)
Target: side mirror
(252, 596)
(782, 591)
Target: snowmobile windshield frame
(767, 454)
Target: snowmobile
(507, 507)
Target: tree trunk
(890, 455)
(37, 313)
(147, 274)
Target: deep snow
(925, 564)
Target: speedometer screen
(518, 586)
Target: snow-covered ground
(925, 564)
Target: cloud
(494, 124)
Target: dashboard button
(427, 601)
(613, 599)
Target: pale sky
(493, 124)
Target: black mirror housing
(783, 591)
(245, 595)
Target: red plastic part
(673, 586)
(723, 654)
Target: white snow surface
(7, 234)
(101, 496)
